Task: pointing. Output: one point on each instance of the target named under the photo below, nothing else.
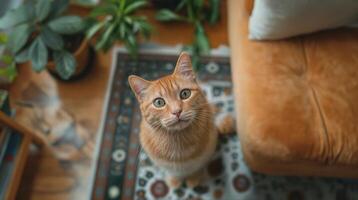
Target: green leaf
(42, 9)
(215, 9)
(122, 5)
(94, 29)
(201, 40)
(65, 64)
(145, 29)
(131, 45)
(109, 9)
(23, 56)
(38, 54)
(67, 25)
(104, 37)
(181, 5)
(7, 59)
(18, 37)
(132, 41)
(168, 15)
(134, 6)
(122, 30)
(14, 17)
(129, 20)
(136, 27)
(3, 38)
(58, 7)
(30, 11)
(190, 12)
(195, 62)
(51, 39)
(110, 41)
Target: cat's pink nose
(177, 113)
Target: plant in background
(114, 20)
(195, 12)
(39, 33)
(7, 62)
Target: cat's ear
(138, 85)
(184, 68)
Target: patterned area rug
(125, 172)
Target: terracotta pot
(82, 59)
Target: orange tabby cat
(177, 129)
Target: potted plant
(42, 34)
(114, 20)
(196, 13)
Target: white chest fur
(188, 166)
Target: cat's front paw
(173, 182)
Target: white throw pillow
(275, 19)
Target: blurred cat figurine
(177, 128)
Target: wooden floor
(46, 105)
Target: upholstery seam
(315, 98)
(305, 59)
(323, 122)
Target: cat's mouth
(178, 124)
(183, 120)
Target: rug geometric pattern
(125, 172)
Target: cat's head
(172, 102)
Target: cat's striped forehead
(166, 85)
(171, 85)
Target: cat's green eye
(159, 102)
(185, 93)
